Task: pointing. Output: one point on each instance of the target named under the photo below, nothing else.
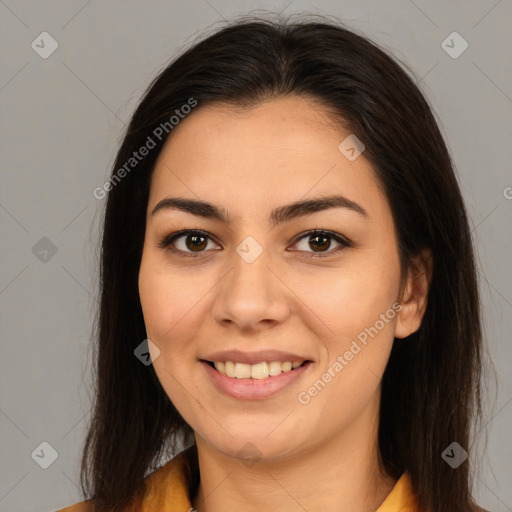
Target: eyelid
(167, 241)
(338, 237)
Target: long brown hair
(431, 386)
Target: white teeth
(274, 368)
(258, 371)
(286, 367)
(229, 368)
(242, 371)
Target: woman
(286, 242)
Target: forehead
(250, 158)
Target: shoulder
(83, 506)
(170, 483)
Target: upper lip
(259, 356)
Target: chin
(249, 448)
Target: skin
(249, 161)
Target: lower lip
(254, 389)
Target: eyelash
(166, 242)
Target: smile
(254, 381)
(259, 371)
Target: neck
(342, 473)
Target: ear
(414, 294)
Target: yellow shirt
(168, 491)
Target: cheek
(171, 304)
(349, 301)
(363, 310)
(358, 307)
(170, 300)
(175, 305)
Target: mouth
(254, 381)
(259, 371)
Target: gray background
(62, 119)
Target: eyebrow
(277, 216)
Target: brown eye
(196, 242)
(317, 243)
(186, 243)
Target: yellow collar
(169, 489)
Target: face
(249, 285)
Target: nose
(252, 296)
